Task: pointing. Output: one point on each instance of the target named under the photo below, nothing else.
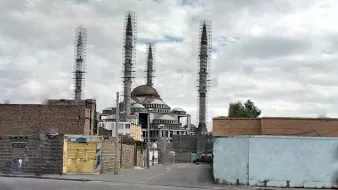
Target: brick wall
(30, 119)
(40, 155)
(126, 160)
(325, 127)
(90, 104)
(236, 126)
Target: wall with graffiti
(278, 161)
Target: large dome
(144, 90)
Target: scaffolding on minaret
(203, 82)
(129, 56)
(79, 66)
(150, 64)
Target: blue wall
(275, 160)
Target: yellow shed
(82, 154)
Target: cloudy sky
(281, 54)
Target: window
(127, 126)
(18, 145)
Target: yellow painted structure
(136, 132)
(82, 154)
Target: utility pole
(153, 158)
(165, 141)
(116, 169)
(148, 140)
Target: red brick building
(87, 103)
(288, 126)
(31, 119)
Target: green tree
(246, 110)
(252, 109)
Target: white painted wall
(303, 161)
(231, 160)
(110, 125)
(155, 152)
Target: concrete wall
(276, 161)
(128, 158)
(140, 159)
(231, 160)
(40, 155)
(34, 119)
(320, 127)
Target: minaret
(128, 64)
(203, 78)
(150, 66)
(80, 46)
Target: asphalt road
(47, 184)
(184, 176)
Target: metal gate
(81, 157)
(18, 156)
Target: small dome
(140, 106)
(165, 117)
(144, 90)
(178, 109)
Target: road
(185, 175)
(180, 177)
(48, 184)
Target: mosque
(145, 105)
(163, 120)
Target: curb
(42, 177)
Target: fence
(184, 143)
(187, 143)
(276, 161)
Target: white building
(129, 128)
(124, 127)
(163, 121)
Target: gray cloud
(271, 46)
(273, 52)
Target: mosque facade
(144, 102)
(163, 120)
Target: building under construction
(79, 67)
(80, 43)
(203, 75)
(144, 101)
